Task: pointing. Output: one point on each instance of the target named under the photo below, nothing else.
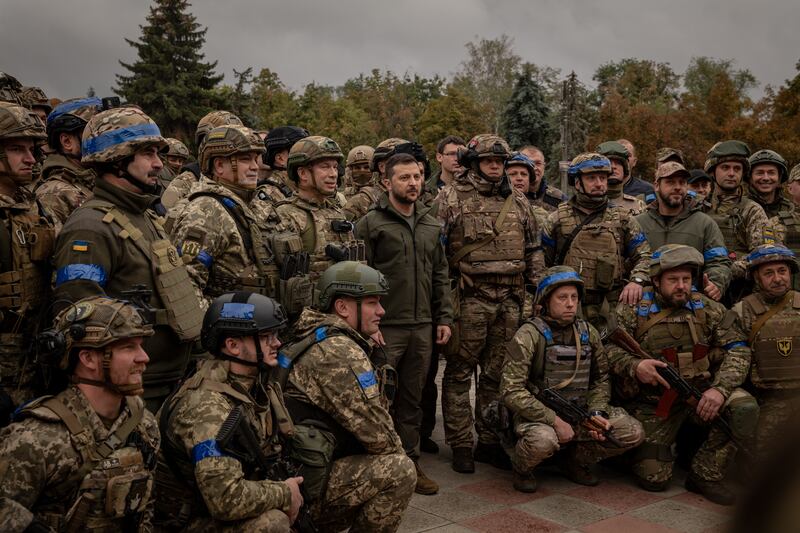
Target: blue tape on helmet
(239, 311)
(68, 107)
(601, 165)
(106, 140)
(772, 250)
(560, 276)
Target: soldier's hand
(646, 372)
(710, 289)
(564, 431)
(297, 498)
(377, 337)
(443, 334)
(631, 294)
(603, 426)
(709, 405)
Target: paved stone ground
(485, 501)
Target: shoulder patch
(80, 246)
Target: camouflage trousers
(536, 442)
(273, 521)
(654, 460)
(18, 374)
(485, 328)
(777, 409)
(408, 350)
(366, 493)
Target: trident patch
(784, 346)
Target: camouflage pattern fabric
(179, 188)
(65, 185)
(367, 492)
(40, 466)
(360, 201)
(133, 130)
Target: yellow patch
(784, 346)
(190, 248)
(79, 246)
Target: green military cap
(672, 256)
(672, 168)
(669, 154)
(616, 151)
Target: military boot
(493, 454)
(425, 485)
(714, 491)
(524, 482)
(463, 461)
(582, 474)
(427, 445)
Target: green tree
(638, 81)
(453, 113)
(487, 75)
(273, 104)
(526, 119)
(704, 72)
(169, 79)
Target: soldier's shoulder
(555, 192)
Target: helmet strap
(122, 172)
(130, 389)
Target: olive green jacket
(413, 260)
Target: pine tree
(526, 119)
(169, 80)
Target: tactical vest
(110, 490)
(731, 226)
(179, 499)
(261, 276)
(183, 312)
(27, 241)
(561, 364)
(596, 252)
(504, 254)
(776, 363)
(678, 335)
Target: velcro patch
(80, 246)
(367, 380)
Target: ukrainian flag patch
(80, 246)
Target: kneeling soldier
(557, 366)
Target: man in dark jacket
(677, 218)
(634, 185)
(402, 241)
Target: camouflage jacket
(632, 204)
(720, 328)
(179, 187)
(220, 485)
(223, 253)
(42, 468)
(743, 224)
(468, 210)
(361, 200)
(521, 358)
(65, 185)
(781, 203)
(546, 197)
(336, 376)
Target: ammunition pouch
(350, 251)
(296, 293)
(313, 446)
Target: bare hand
(631, 294)
(646, 372)
(297, 498)
(378, 338)
(443, 334)
(604, 424)
(710, 289)
(709, 405)
(564, 431)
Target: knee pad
(744, 412)
(653, 462)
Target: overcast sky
(65, 47)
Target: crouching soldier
(555, 382)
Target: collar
(127, 200)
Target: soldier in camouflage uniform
(219, 236)
(704, 341)
(792, 189)
(771, 319)
(83, 460)
(174, 158)
(620, 173)
(278, 186)
(338, 401)
(600, 240)
(768, 172)
(37, 101)
(115, 243)
(66, 184)
(519, 171)
(360, 201)
(743, 222)
(539, 192)
(26, 247)
(544, 353)
(181, 184)
(357, 173)
(203, 482)
(493, 247)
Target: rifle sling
(469, 248)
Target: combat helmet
(95, 322)
(227, 141)
(239, 314)
(769, 157)
(10, 89)
(349, 278)
(771, 253)
(280, 139)
(118, 133)
(617, 152)
(483, 145)
(384, 150)
(18, 122)
(360, 155)
(587, 163)
(727, 151)
(667, 154)
(555, 277)
(70, 116)
(520, 159)
(212, 120)
(794, 175)
(310, 149)
(176, 148)
(35, 97)
(672, 256)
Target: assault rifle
(683, 388)
(574, 415)
(237, 439)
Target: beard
(669, 200)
